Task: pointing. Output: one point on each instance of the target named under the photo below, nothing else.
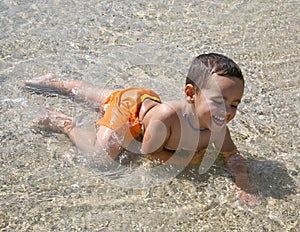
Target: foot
(42, 81)
(46, 81)
(56, 121)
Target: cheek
(206, 108)
(232, 115)
(213, 108)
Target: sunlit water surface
(47, 184)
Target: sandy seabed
(45, 184)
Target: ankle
(68, 127)
(62, 87)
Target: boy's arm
(181, 159)
(238, 169)
(157, 132)
(235, 163)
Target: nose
(225, 109)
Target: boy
(214, 88)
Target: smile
(219, 120)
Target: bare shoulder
(169, 110)
(165, 112)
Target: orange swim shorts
(121, 110)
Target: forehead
(226, 86)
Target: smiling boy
(214, 88)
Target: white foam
(23, 101)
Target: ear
(190, 92)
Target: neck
(187, 118)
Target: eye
(219, 102)
(234, 106)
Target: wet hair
(205, 65)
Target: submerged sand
(45, 184)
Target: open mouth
(219, 120)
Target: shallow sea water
(45, 184)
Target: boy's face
(216, 104)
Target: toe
(40, 80)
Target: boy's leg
(104, 141)
(79, 88)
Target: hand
(247, 194)
(250, 199)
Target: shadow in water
(271, 178)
